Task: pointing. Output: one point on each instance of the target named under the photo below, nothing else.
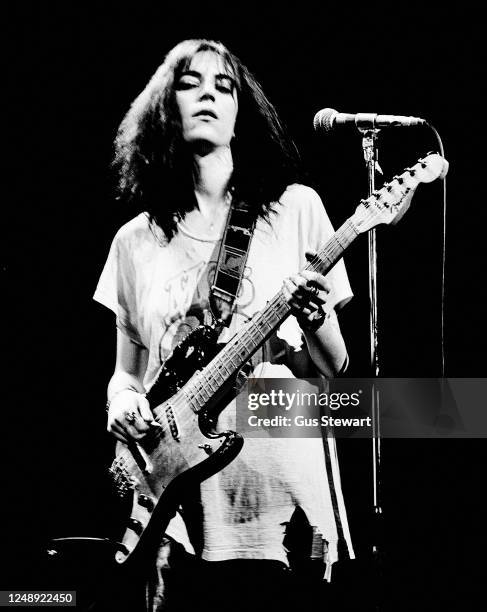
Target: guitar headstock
(388, 204)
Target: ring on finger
(131, 417)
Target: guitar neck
(206, 383)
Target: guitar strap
(234, 250)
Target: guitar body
(183, 452)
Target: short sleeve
(317, 230)
(116, 288)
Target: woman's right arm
(125, 391)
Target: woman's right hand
(129, 416)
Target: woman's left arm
(306, 294)
(326, 346)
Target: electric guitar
(186, 397)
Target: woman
(200, 137)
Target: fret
(222, 373)
(257, 328)
(231, 354)
(340, 242)
(343, 244)
(219, 378)
(325, 262)
(242, 351)
(202, 391)
(209, 378)
(281, 308)
(273, 311)
(249, 337)
(187, 395)
(196, 401)
(224, 366)
(349, 231)
(352, 229)
(283, 303)
(262, 318)
(194, 404)
(235, 365)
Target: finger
(317, 279)
(138, 435)
(144, 410)
(133, 422)
(316, 298)
(118, 424)
(305, 312)
(120, 437)
(310, 276)
(299, 280)
(292, 282)
(299, 307)
(301, 299)
(291, 290)
(130, 432)
(297, 288)
(118, 432)
(140, 426)
(310, 294)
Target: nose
(207, 90)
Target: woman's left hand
(306, 293)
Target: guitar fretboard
(203, 386)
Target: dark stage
(75, 70)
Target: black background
(76, 68)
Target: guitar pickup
(171, 420)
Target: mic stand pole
(369, 145)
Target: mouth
(206, 113)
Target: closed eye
(187, 82)
(225, 83)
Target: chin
(206, 139)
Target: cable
(443, 259)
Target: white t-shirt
(158, 292)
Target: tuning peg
(398, 178)
(411, 171)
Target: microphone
(328, 118)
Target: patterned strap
(232, 258)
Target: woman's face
(207, 100)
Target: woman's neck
(212, 174)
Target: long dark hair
(154, 166)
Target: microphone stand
(369, 146)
